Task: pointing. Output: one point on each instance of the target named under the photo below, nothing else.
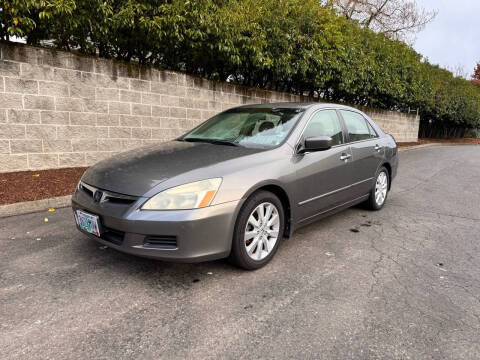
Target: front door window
(325, 123)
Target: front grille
(113, 236)
(86, 189)
(161, 242)
(104, 196)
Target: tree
(476, 73)
(476, 76)
(397, 19)
(16, 18)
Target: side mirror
(318, 143)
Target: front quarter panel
(268, 168)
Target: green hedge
(287, 45)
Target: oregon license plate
(88, 222)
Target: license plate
(88, 222)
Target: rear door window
(356, 126)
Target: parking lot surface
(400, 283)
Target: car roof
(297, 105)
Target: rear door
(366, 149)
(323, 177)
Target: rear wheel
(379, 192)
(258, 231)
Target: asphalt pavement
(401, 283)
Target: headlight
(188, 196)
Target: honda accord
(237, 184)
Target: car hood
(137, 171)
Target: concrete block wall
(59, 109)
(403, 127)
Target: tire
(382, 183)
(253, 247)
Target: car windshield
(247, 127)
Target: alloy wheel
(381, 188)
(261, 231)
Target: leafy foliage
(476, 73)
(297, 46)
(476, 76)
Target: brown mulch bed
(435, 141)
(457, 141)
(405, 144)
(37, 185)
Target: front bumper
(193, 235)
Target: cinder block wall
(59, 109)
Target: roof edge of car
(297, 105)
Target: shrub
(289, 45)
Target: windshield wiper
(213, 141)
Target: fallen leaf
(51, 210)
(46, 219)
(36, 175)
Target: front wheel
(379, 192)
(258, 231)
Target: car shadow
(120, 264)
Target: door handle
(345, 157)
(378, 148)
